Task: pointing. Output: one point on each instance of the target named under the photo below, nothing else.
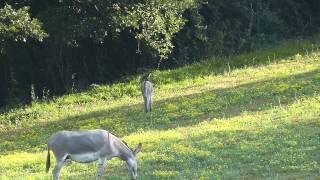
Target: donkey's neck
(145, 77)
(144, 80)
(124, 152)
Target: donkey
(146, 88)
(88, 146)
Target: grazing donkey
(146, 88)
(88, 146)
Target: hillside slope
(249, 116)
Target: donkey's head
(132, 163)
(146, 76)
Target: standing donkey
(88, 146)
(146, 88)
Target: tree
(155, 22)
(15, 26)
(151, 22)
(103, 40)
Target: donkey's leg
(150, 103)
(56, 171)
(100, 167)
(145, 99)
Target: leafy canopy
(17, 25)
(153, 22)
(156, 22)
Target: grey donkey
(88, 146)
(146, 88)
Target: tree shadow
(283, 150)
(275, 53)
(174, 112)
(219, 65)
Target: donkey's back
(146, 88)
(77, 142)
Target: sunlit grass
(273, 143)
(258, 119)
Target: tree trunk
(4, 70)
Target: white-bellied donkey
(146, 88)
(88, 146)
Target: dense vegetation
(250, 116)
(104, 41)
(236, 85)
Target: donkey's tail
(48, 161)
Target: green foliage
(153, 22)
(156, 23)
(259, 120)
(17, 25)
(103, 41)
(225, 27)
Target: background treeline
(95, 41)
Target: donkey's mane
(125, 143)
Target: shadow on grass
(175, 112)
(285, 150)
(276, 53)
(282, 50)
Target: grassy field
(250, 116)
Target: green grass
(251, 116)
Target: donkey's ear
(136, 151)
